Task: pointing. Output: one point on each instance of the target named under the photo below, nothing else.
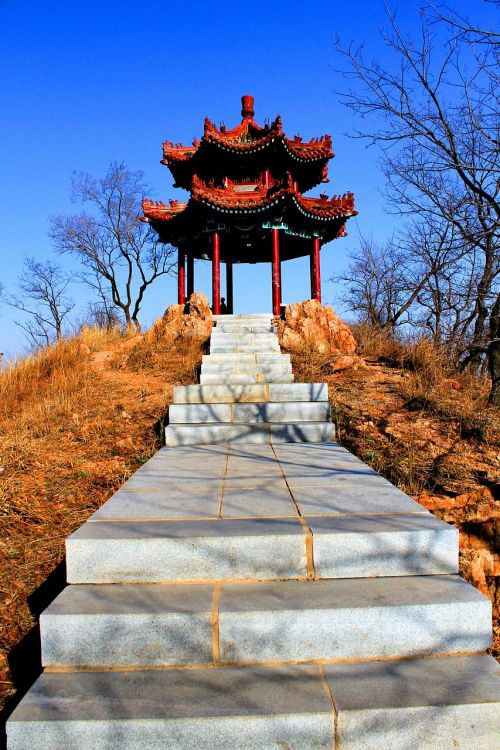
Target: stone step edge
(273, 549)
(260, 432)
(242, 413)
(225, 378)
(307, 706)
(271, 392)
(220, 632)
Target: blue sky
(86, 83)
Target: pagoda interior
(247, 203)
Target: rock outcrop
(193, 320)
(317, 328)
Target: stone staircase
(254, 585)
(247, 394)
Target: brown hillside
(75, 421)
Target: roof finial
(247, 110)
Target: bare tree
(43, 299)
(435, 116)
(120, 254)
(408, 281)
(376, 284)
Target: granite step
(351, 619)
(278, 707)
(243, 317)
(237, 348)
(157, 625)
(218, 378)
(237, 413)
(418, 704)
(237, 328)
(237, 367)
(256, 358)
(241, 334)
(425, 704)
(259, 547)
(276, 392)
(181, 551)
(263, 432)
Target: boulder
(311, 326)
(190, 321)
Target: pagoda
(247, 203)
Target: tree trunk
(494, 353)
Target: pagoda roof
(247, 139)
(178, 221)
(256, 198)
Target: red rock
(191, 321)
(314, 327)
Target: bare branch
(120, 254)
(43, 300)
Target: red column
(181, 278)
(190, 274)
(216, 273)
(229, 287)
(315, 271)
(281, 287)
(276, 272)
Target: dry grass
(96, 337)
(71, 431)
(432, 382)
(182, 357)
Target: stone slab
(383, 545)
(286, 411)
(199, 394)
(243, 328)
(243, 348)
(199, 413)
(242, 337)
(327, 450)
(302, 432)
(184, 466)
(337, 478)
(244, 367)
(192, 453)
(273, 499)
(262, 432)
(256, 468)
(163, 551)
(162, 480)
(298, 392)
(352, 500)
(438, 704)
(189, 434)
(278, 707)
(137, 625)
(178, 503)
(352, 619)
(257, 358)
(245, 378)
(251, 452)
(240, 317)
